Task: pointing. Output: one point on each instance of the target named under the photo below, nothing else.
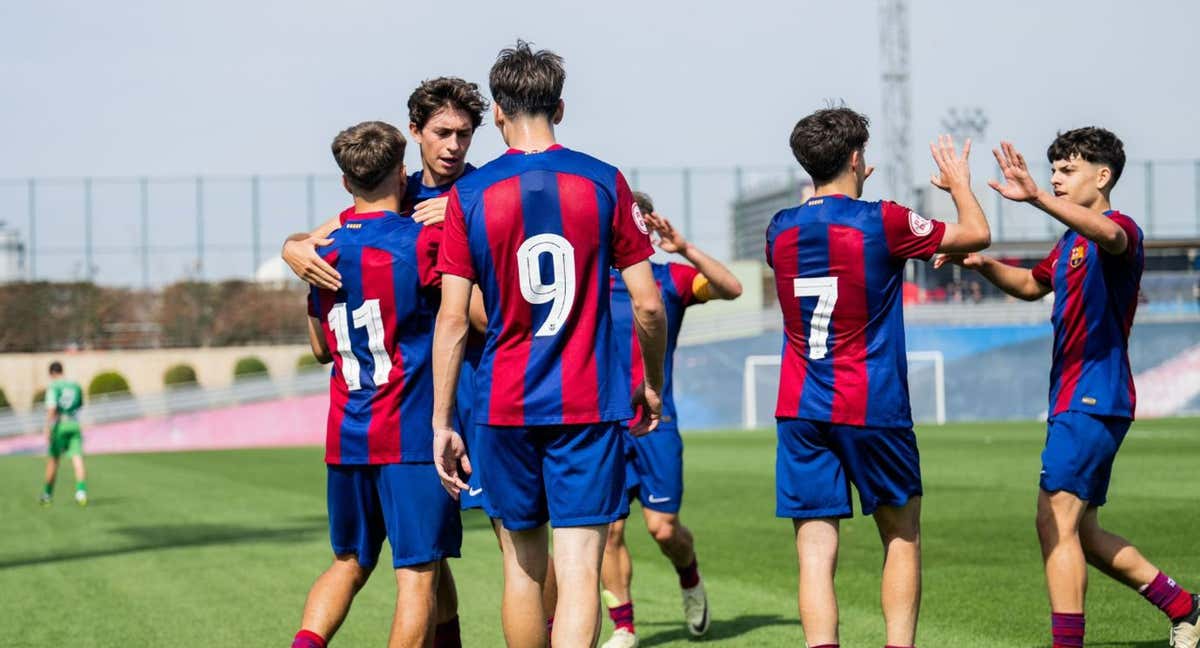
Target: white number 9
(560, 290)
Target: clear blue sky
(123, 88)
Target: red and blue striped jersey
(415, 192)
(1095, 298)
(538, 232)
(839, 273)
(379, 328)
(676, 282)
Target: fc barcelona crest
(1077, 254)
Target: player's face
(1078, 180)
(444, 141)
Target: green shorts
(66, 439)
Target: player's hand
(972, 261)
(954, 169)
(301, 256)
(1018, 184)
(432, 211)
(449, 452)
(648, 403)
(669, 238)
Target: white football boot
(1185, 633)
(695, 610)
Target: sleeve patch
(639, 220)
(919, 225)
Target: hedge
(108, 382)
(3, 399)
(249, 366)
(179, 375)
(307, 361)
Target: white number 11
(367, 316)
(825, 289)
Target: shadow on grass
(1157, 643)
(719, 630)
(176, 536)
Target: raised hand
(1018, 184)
(448, 452)
(954, 169)
(301, 256)
(432, 211)
(669, 238)
(972, 261)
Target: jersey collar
(515, 151)
(350, 215)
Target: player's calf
(416, 606)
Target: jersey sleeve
(687, 280)
(455, 255)
(909, 234)
(1043, 272)
(314, 302)
(1132, 236)
(631, 238)
(429, 244)
(51, 398)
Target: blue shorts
(654, 469)
(816, 461)
(1079, 453)
(567, 475)
(403, 502)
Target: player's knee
(350, 569)
(1052, 527)
(664, 530)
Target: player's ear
(558, 113)
(498, 116)
(1103, 178)
(346, 185)
(415, 132)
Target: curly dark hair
(368, 152)
(525, 82)
(823, 141)
(644, 202)
(1092, 144)
(434, 94)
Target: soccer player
(654, 469)
(1094, 272)
(63, 434)
(376, 328)
(444, 114)
(843, 411)
(537, 230)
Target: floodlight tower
(897, 99)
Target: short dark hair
(823, 141)
(643, 202)
(525, 82)
(434, 94)
(1092, 144)
(56, 367)
(368, 152)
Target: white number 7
(534, 288)
(825, 289)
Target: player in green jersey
(63, 400)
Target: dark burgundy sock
(689, 576)
(622, 616)
(1067, 629)
(308, 639)
(1168, 596)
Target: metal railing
(148, 230)
(110, 408)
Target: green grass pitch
(219, 548)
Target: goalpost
(750, 384)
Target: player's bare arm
(51, 417)
(1020, 186)
(1018, 282)
(300, 254)
(478, 313)
(316, 340)
(971, 233)
(449, 345)
(720, 282)
(650, 320)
